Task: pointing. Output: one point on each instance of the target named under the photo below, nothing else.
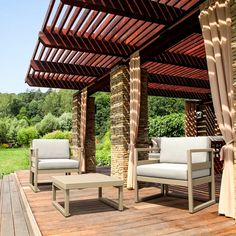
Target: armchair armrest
(200, 165)
(143, 162)
(34, 157)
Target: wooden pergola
(98, 45)
(81, 41)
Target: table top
(91, 180)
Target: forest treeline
(36, 114)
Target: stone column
(90, 161)
(120, 120)
(120, 117)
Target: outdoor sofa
(184, 161)
(50, 156)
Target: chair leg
(136, 192)
(190, 196)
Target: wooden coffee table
(93, 180)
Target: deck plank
(89, 216)
(7, 226)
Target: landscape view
(34, 114)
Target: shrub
(26, 135)
(48, 124)
(65, 121)
(59, 135)
(3, 131)
(103, 151)
(169, 125)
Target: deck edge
(32, 221)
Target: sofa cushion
(52, 148)
(169, 171)
(174, 150)
(51, 164)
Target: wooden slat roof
(82, 40)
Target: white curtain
(83, 120)
(215, 21)
(135, 94)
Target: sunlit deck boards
(13, 218)
(163, 216)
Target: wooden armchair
(184, 161)
(50, 156)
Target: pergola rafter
(142, 10)
(63, 41)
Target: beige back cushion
(52, 148)
(174, 150)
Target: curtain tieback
(224, 148)
(131, 146)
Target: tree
(65, 121)
(102, 117)
(48, 124)
(161, 106)
(3, 131)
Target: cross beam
(65, 68)
(181, 60)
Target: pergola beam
(179, 81)
(65, 68)
(180, 60)
(145, 10)
(63, 41)
(178, 94)
(40, 81)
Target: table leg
(100, 192)
(54, 193)
(67, 201)
(120, 198)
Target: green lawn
(12, 159)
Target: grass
(12, 159)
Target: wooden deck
(89, 216)
(14, 219)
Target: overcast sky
(20, 22)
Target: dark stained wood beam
(181, 60)
(39, 81)
(178, 94)
(63, 41)
(172, 36)
(179, 81)
(65, 68)
(145, 10)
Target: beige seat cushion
(51, 164)
(169, 171)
